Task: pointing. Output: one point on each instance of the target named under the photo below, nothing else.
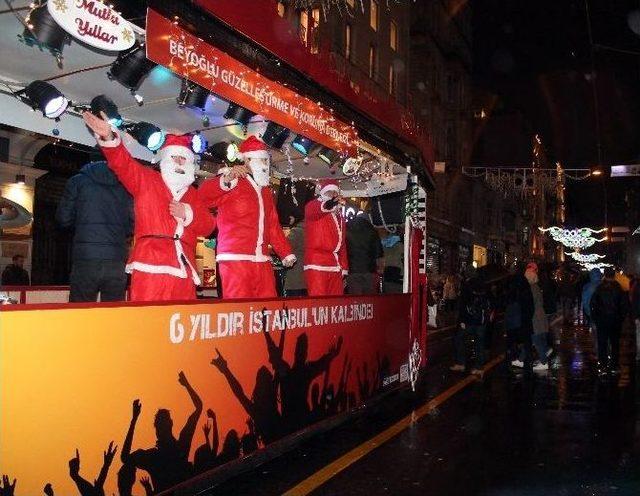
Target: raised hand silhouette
(137, 408)
(48, 489)
(219, 361)
(7, 489)
(83, 485)
(74, 464)
(148, 487)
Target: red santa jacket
(324, 239)
(247, 220)
(160, 239)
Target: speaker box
(388, 209)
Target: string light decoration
(577, 239)
(411, 204)
(585, 257)
(599, 265)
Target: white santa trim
(323, 268)
(260, 240)
(337, 248)
(329, 187)
(234, 257)
(255, 154)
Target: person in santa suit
(247, 225)
(325, 251)
(168, 215)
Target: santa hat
(532, 266)
(327, 185)
(178, 145)
(252, 147)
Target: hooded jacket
(100, 211)
(595, 276)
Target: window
(373, 15)
(392, 80)
(303, 26)
(373, 61)
(347, 41)
(282, 9)
(393, 35)
(308, 28)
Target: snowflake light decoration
(585, 257)
(599, 265)
(575, 238)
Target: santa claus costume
(325, 251)
(247, 225)
(162, 262)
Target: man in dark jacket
(14, 273)
(518, 320)
(365, 255)
(609, 306)
(474, 307)
(99, 209)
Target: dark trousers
(92, 277)
(608, 334)
(477, 332)
(519, 345)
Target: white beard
(175, 181)
(260, 172)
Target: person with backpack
(474, 308)
(609, 306)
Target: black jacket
(13, 275)
(609, 303)
(474, 303)
(100, 211)
(519, 304)
(363, 246)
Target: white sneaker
(517, 363)
(539, 367)
(457, 368)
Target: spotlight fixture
(21, 179)
(148, 135)
(192, 95)
(42, 30)
(302, 144)
(44, 97)
(596, 171)
(328, 155)
(275, 135)
(239, 114)
(102, 103)
(131, 67)
(198, 143)
(223, 152)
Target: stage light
(192, 95)
(44, 31)
(131, 67)
(275, 135)
(198, 143)
(328, 155)
(46, 98)
(147, 135)
(21, 179)
(239, 114)
(102, 103)
(223, 152)
(302, 144)
(596, 171)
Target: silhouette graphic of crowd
(287, 397)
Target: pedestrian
(450, 294)
(518, 317)
(609, 306)
(550, 302)
(539, 322)
(100, 212)
(634, 301)
(14, 273)
(473, 313)
(595, 276)
(365, 256)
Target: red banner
(194, 59)
(181, 389)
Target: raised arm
(189, 429)
(221, 364)
(83, 485)
(108, 458)
(316, 367)
(212, 191)
(126, 446)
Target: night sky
(537, 57)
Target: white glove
(289, 260)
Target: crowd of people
(530, 305)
